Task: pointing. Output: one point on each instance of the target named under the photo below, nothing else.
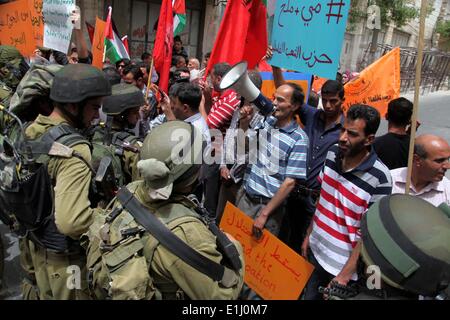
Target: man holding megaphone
(282, 150)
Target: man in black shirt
(393, 147)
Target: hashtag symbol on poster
(333, 6)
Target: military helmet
(8, 53)
(77, 82)
(409, 240)
(12, 66)
(171, 154)
(124, 96)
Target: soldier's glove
(75, 17)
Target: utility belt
(49, 238)
(257, 199)
(74, 251)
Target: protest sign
(98, 45)
(37, 21)
(268, 86)
(376, 85)
(15, 25)
(272, 269)
(307, 35)
(58, 27)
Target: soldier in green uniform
(127, 256)
(406, 242)
(30, 99)
(12, 68)
(57, 215)
(116, 137)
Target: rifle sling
(156, 228)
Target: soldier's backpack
(26, 189)
(107, 161)
(120, 250)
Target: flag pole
(423, 10)
(104, 47)
(149, 81)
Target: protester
(399, 119)
(218, 112)
(233, 164)
(430, 163)
(353, 178)
(178, 50)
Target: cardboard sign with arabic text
(307, 35)
(16, 28)
(272, 269)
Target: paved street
(434, 115)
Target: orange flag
(98, 44)
(376, 85)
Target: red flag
(242, 34)
(162, 51)
(91, 30)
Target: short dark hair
(112, 74)
(369, 114)
(207, 55)
(126, 61)
(189, 94)
(135, 71)
(145, 55)
(333, 87)
(221, 68)
(177, 39)
(400, 111)
(255, 77)
(298, 96)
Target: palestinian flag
(179, 17)
(114, 47)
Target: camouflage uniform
(120, 140)
(12, 69)
(71, 179)
(125, 261)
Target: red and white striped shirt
(221, 112)
(344, 198)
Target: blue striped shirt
(282, 154)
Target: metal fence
(435, 67)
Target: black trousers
(319, 277)
(297, 219)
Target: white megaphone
(238, 80)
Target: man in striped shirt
(353, 178)
(282, 150)
(221, 107)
